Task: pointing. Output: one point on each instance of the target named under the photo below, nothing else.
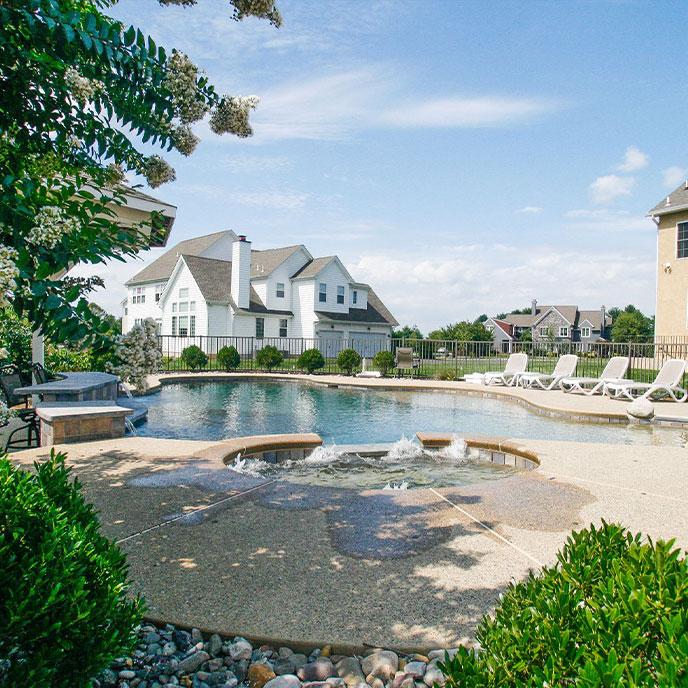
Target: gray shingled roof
(678, 198)
(265, 261)
(595, 317)
(161, 268)
(214, 279)
(313, 268)
(376, 312)
(571, 313)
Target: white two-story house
(217, 286)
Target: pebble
(318, 670)
(432, 676)
(214, 646)
(349, 669)
(240, 649)
(416, 669)
(286, 681)
(192, 662)
(259, 674)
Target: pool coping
(523, 397)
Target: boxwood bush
(228, 358)
(612, 612)
(383, 361)
(348, 360)
(194, 357)
(64, 610)
(311, 360)
(269, 357)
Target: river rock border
(166, 655)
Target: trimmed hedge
(348, 360)
(311, 360)
(612, 612)
(384, 361)
(269, 357)
(64, 610)
(228, 358)
(194, 357)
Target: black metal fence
(432, 358)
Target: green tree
(79, 93)
(631, 325)
(464, 331)
(407, 332)
(526, 336)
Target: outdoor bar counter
(75, 387)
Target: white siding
(281, 274)
(361, 299)
(333, 277)
(303, 302)
(140, 311)
(218, 320)
(184, 280)
(221, 249)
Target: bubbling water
(404, 465)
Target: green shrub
(64, 609)
(348, 360)
(447, 374)
(228, 358)
(384, 361)
(310, 360)
(269, 357)
(612, 612)
(194, 357)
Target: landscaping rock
(259, 674)
(382, 664)
(287, 681)
(641, 409)
(349, 669)
(240, 649)
(192, 662)
(214, 646)
(284, 666)
(318, 670)
(416, 669)
(182, 639)
(433, 676)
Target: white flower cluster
(139, 354)
(8, 273)
(157, 171)
(180, 81)
(115, 173)
(5, 414)
(185, 141)
(80, 87)
(231, 115)
(50, 225)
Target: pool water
(405, 466)
(220, 410)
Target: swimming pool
(219, 410)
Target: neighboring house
(551, 324)
(671, 308)
(218, 286)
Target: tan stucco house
(671, 218)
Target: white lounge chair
(565, 367)
(614, 371)
(515, 366)
(667, 383)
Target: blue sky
(462, 157)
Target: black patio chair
(10, 380)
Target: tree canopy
(407, 332)
(464, 331)
(80, 94)
(630, 325)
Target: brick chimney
(241, 271)
(533, 307)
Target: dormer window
(340, 295)
(585, 331)
(279, 290)
(322, 295)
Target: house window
(158, 325)
(174, 307)
(585, 331)
(183, 325)
(184, 307)
(184, 293)
(563, 331)
(174, 325)
(340, 294)
(322, 296)
(279, 291)
(137, 321)
(126, 311)
(192, 325)
(260, 328)
(682, 243)
(192, 306)
(354, 297)
(139, 295)
(543, 331)
(283, 327)
(158, 292)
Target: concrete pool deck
(578, 407)
(212, 548)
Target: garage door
(369, 343)
(331, 343)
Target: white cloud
(634, 159)
(481, 111)
(458, 282)
(530, 210)
(267, 199)
(673, 176)
(610, 187)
